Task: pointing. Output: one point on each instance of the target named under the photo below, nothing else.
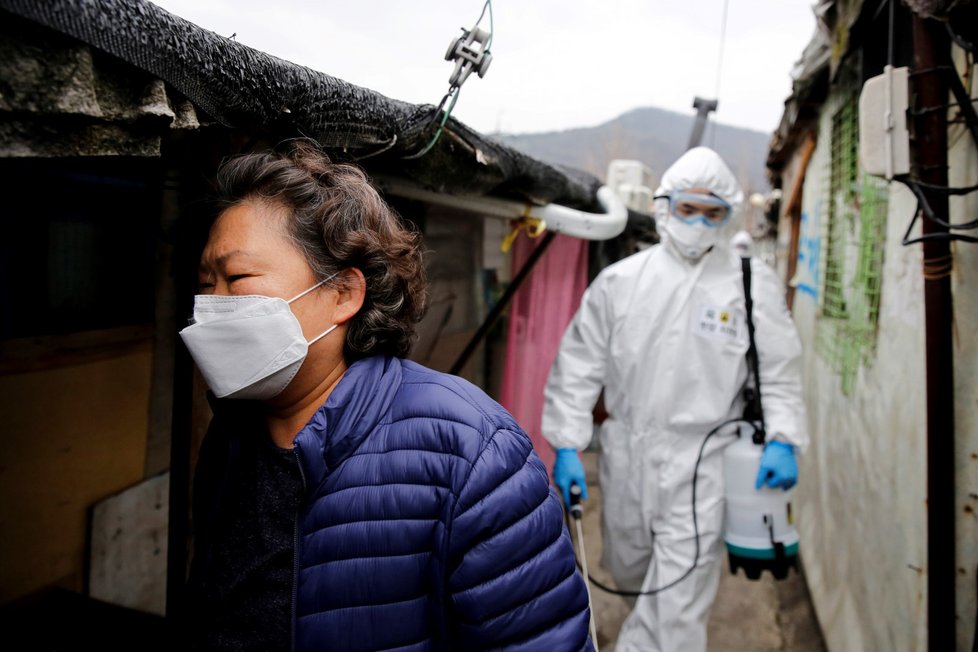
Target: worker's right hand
(568, 470)
(778, 466)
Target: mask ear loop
(322, 335)
(305, 292)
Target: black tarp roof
(240, 87)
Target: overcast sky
(556, 64)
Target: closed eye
(237, 277)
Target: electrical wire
(716, 87)
(969, 64)
(489, 6)
(453, 90)
(451, 94)
(924, 211)
(696, 530)
(723, 38)
(889, 34)
(959, 40)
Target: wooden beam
(793, 211)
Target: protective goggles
(694, 207)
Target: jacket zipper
(295, 550)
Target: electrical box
(884, 142)
(632, 182)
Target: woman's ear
(351, 291)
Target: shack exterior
(114, 115)
(886, 506)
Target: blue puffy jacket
(428, 523)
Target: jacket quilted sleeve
(513, 579)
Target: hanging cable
(716, 87)
(965, 103)
(451, 94)
(924, 211)
(959, 40)
(471, 52)
(889, 34)
(696, 529)
(723, 38)
(488, 6)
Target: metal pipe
(703, 108)
(573, 222)
(931, 50)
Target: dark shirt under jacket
(246, 603)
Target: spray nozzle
(575, 500)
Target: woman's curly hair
(338, 221)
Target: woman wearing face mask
(664, 333)
(345, 498)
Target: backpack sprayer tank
(759, 531)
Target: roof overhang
(234, 86)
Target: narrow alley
(748, 616)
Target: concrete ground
(766, 615)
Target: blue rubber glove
(569, 470)
(778, 466)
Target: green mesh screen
(852, 250)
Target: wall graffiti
(809, 252)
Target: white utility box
(632, 182)
(884, 139)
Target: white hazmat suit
(663, 332)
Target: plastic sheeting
(244, 88)
(539, 314)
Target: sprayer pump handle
(575, 493)
(759, 437)
(575, 500)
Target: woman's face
(249, 252)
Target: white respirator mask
(247, 347)
(691, 240)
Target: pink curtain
(539, 313)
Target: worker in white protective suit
(663, 333)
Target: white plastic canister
(759, 531)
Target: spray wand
(576, 510)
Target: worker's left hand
(778, 466)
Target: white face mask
(690, 240)
(249, 346)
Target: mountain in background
(655, 137)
